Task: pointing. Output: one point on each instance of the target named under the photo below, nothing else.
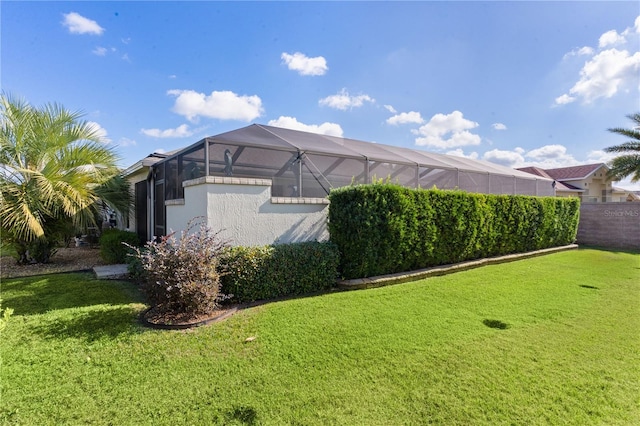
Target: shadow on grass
(108, 323)
(494, 323)
(38, 295)
(243, 415)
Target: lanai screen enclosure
(307, 165)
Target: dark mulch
(64, 260)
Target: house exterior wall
(614, 225)
(560, 193)
(594, 186)
(138, 176)
(246, 214)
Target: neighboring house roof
(564, 174)
(535, 171)
(574, 172)
(147, 161)
(633, 197)
(560, 186)
(563, 186)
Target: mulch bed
(67, 259)
(154, 319)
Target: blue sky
(516, 83)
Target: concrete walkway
(111, 272)
(403, 277)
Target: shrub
(385, 228)
(112, 249)
(267, 272)
(182, 276)
(134, 267)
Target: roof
(574, 172)
(294, 140)
(536, 171)
(560, 186)
(147, 161)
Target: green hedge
(111, 248)
(385, 228)
(267, 272)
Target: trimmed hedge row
(386, 228)
(267, 272)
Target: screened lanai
(302, 164)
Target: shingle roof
(575, 172)
(536, 171)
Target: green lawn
(415, 353)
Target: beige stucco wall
(245, 212)
(614, 225)
(593, 187)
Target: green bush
(112, 249)
(267, 272)
(386, 228)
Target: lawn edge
(403, 277)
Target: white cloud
(581, 51)
(609, 71)
(545, 157)
(100, 51)
(604, 75)
(499, 126)
(304, 65)
(343, 100)
(331, 129)
(160, 151)
(564, 99)
(599, 156)
(505, 158)
(99, 131)
(181, 131)
(460, 153)
(611, 38)
(549, 152)
(405, 117)
(78, 24)
(224, 105)
(391, 109)
(447, 131)
(126, 142)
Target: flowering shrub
(181, 277)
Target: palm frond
(628, 163)
(53, 167)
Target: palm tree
(55, 173)
(628, 163)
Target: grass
(548, 340)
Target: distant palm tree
(55, 175)
(627, 164)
